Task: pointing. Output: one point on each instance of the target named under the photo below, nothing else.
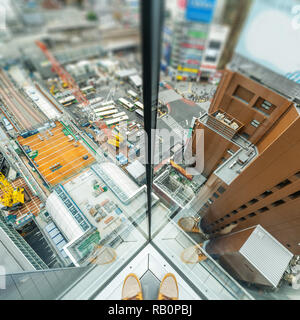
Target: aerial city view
(149, 150)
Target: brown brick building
(252, 162)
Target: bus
(95, 100)
(7, 124)
(107, 113)
(107, 103)
(104, 108)
(88, 89)
(120, 114)
(67, 100)
(139, 105)
(126, 104)
(116, 120)
(139, 113)
(132, 94)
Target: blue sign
(200, 10)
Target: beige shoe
(103, 255)
(132, 289)
(189, 224)
(193, 254)
(168, 289)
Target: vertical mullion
(152, 12)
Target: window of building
(223, 160)
(211, 58)
(234, 212)
(266, 105)
(242, 219)
(252, 214)
(266, 194)
(227, 216)
(221, 190)
(255, 123)
(278, 203)
(295, 195)
(263, 209)
(263, 106)
(214, 45)
(283, 184)
(243, 207)
(231, 152)
(298, 174)
(243, 94)
(215, 195)
(251, 202)
(245, 135)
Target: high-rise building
(251, 152)
(188, 47)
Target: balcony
(224, 123)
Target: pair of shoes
(192, 254)
(132, 289)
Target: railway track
(22, 121)
(22, 111)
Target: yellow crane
(11, 197)
(52, 90)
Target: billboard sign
(200, 10)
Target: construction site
(56, 154)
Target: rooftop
(270, 79)
(231, 168)
(59, 156)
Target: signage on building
(200, 10)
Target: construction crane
(11, 198)
(65, 77)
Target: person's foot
(193, 254)
(189, 224)
(168, 289)
(132, 289)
